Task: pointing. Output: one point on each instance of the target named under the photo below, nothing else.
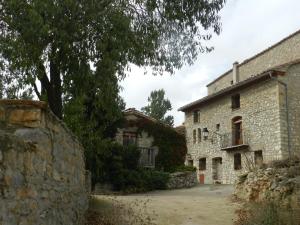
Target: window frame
(202, 166)
(235, 101)
(199, 135)
(256, 154)
(237, 161)
(194, 136)
(196, 116)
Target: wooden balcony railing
(234, 139)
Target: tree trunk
(55, 102)
(51, 90)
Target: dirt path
(201, 205)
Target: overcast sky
(248, 27)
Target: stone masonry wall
(42, 171)
(286, 51)
(261, 124)
(182, 180)
(292, 79)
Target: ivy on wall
(171, 144)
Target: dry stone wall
(42, 172)
(182, 180)
(275, 184)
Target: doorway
(217, 169)
(237, 131)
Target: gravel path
(201, 205)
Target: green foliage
(184, 168)
(144, 180)
(172, 145)
(158, 106)
(118, 165)
(59, 42)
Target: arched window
(237, 131)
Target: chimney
(235, 73)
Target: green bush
(183, 168)
(144, 180)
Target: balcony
(235, 140)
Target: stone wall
(286, 51)
(42, 171)
(182, 180)
(275, 184)
(292, 79)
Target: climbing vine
(171, 144)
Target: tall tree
(56, 42)
(158, 106)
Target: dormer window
(196, 116)
(235, 101)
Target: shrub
(144, 180)
(183, 168)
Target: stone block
(26, 192)
(28, 118)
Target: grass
(110, 211)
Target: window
(150, 156)
(202, 164)
(190, 162)
(231, 82)
(194, 136)
(196, 116)
(218, 127)
(235, 101)
(258, 158)
(237, 161)
(205, 133)
(129, 138)
(199, 135)
(237, 131)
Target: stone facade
(141, 139)
(42, 173)
(262, 115)
(182, 180)
(285, 51)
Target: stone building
(130, 134)
(251, 115)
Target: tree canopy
(158, 106)
(52, 45)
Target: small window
(190, 162)
(199, 135)
(202, 164)
(231, 82)
(235, 101)
(205, 133)
(129, 138)
(218, 127)
(196, 116)
(237, 161)
(194, 136)
(258, 158)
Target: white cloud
(248, 28)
